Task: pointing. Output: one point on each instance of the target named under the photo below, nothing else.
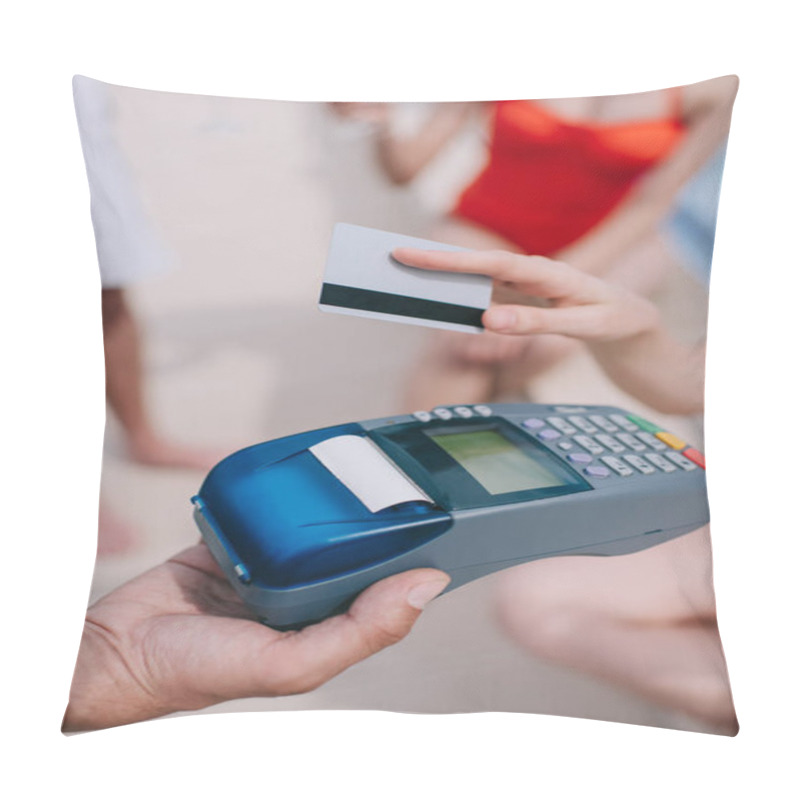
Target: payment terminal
(302, 524)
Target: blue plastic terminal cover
(289, 522)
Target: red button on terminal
(696, 456)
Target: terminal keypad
(618, 465)
(562, 425)
(607, 445)
(599, 445)
(631, 442)
(603, 422)
(610, 442)
(583, 424)
(590, 444)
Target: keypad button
(682, 462)
(566, 444)
(644, 424)
(695, 455)
(596, 471)
(661, 462)
(443, 413)
(463, 411)
(648, 440)
(484, 411)
(548, 435)
(580, 458)
(587, 443)
(620, 467)
(583, 424)
(607, 440)
(631, 442)
(672, 440)
(534, 423)
(423, 416)
(637, 462)
(624, 422)
(604, 423)
(562, 425)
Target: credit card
(361, 278)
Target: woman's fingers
(481, 262)
(584, 322)
(534, 275)
(582, 306)
(593, 322)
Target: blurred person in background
(645, 621)
(588, 181)
(128, 251)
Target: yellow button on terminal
(672, 440)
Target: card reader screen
(496, 462)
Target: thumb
(380, 616)
(389, 608)
(590, 321)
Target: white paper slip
(362, 279)
(367, 473)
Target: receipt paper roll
(367, 472)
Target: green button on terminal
(644, 424)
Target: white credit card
(362, 278)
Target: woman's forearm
(403, 158)
(708, 111)
(656, 369)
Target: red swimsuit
(548, 181)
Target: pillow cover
(212, 218)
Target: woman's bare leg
(115, 536)
(457, 368)
(644, 268)
(645, 621)
(126, 396)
